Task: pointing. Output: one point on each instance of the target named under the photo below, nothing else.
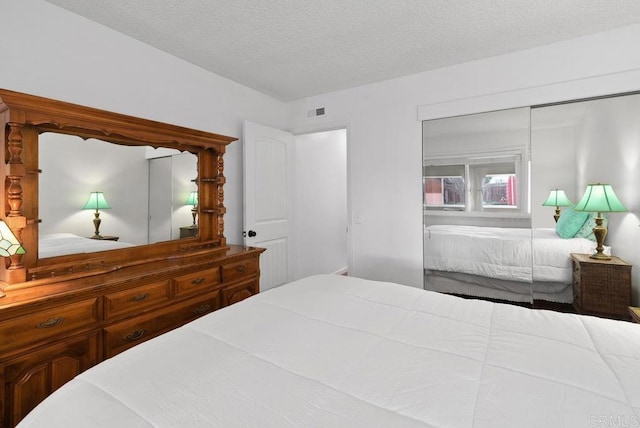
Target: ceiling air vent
(316, 112)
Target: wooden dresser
(48, 339)
(61, 315)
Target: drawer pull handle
(240, 268)
(136, 335)
(202, 309)
(51, 322)
(140, 297)
(198, 281)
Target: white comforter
(333, 351)
(502, 253)
(59, 244)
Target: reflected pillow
(570, 222)
(586, 231)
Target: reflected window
(491, 183)
(499, 190)
(444, 187)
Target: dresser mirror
(146, 189)
(37, 204)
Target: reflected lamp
(193, 201)
(9, 245)
(557, 198)
(600, 198)
(96, 202)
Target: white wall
(553, 155)
(48, 51)
(385, 131)
(320, 204)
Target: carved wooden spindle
(220, 195)
(220, 226)
(15, 171)
(220, 164)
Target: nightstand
(635, 314)
(601, 287)
(105, 238)
(188, 231)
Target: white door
(268, 155)
(160, 199)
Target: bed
(59, 244)
(515, 264)
(336, 351)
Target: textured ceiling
(291, 49)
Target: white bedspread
(59, 244)
(502, 253)
(333, 351)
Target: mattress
(335, 351)
(501, 289)
(60, 244)
(511, 254)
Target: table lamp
(193, 201)
(9, 245)
(96, 202)
(557, 198)
(600, 198)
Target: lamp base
(96, 225)
(599, 232)
(600, 256)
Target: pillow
(586, 231)
(570, 222)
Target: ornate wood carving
(15, 170)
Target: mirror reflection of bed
(479, 247)
(146, 190)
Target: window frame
(476, 167)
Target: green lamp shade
(9, 244)
(600, 198)
(192, 199)
(557, 198)
(96, 202)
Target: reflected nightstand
(105, 238)
(188, 231)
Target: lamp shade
(9, 244)
(557, 198)
(96, 202)
(600, 198)
(192, 199)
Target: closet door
(477, 232)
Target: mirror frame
(24, 117)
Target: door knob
(252, 233)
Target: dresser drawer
(238, 292)
(137, 299)
(43, 325)
(196, 282)
(239, 270)
(126, 334)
